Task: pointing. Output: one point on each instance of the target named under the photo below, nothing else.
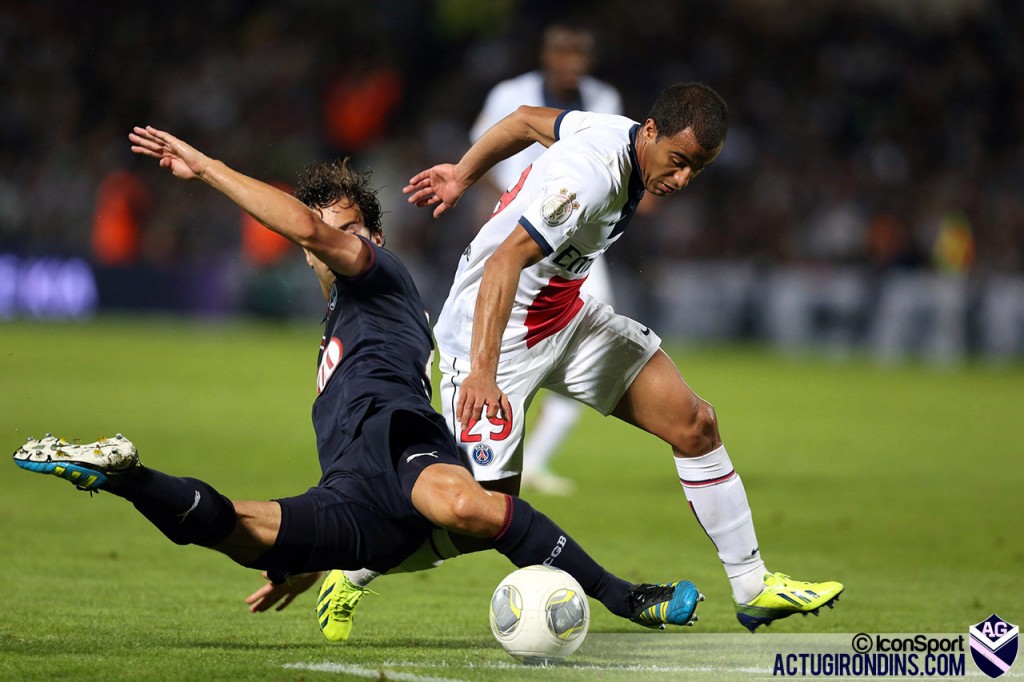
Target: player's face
(566, 59)
(345, 216)
(669, 164)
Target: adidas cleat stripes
(782, 597)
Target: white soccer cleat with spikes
(88, 465)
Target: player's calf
(186, 510)
(696, 433)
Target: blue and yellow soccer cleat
(655, 606)
(88, 466)
(782, 596)
(336, 605)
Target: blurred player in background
(514, 321)
(562, 82)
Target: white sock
(558, 415)
(361, 577)
(718, 500)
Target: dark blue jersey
(376, 431)
(374, 355)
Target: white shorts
(593, 360)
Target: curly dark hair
(324, 183)
(691, 105)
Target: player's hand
(270, 594)
(437, 186)
(183, 160)
(480, 395)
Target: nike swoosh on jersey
(421, 454)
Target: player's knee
(697, 433)
(464, 513)
(476, 512)
(460, 505)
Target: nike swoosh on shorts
(421, 454)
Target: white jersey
(575, 200)
(506, 96)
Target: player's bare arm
(508, 137)
(443, 185)
(276, 210)
(493, 308)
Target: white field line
(387, 668)
(383, 672)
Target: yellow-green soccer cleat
(655, 606)
(336, 605)
(782, 596)
(88, 465)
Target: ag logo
(557, 208)
(994, 645)
(482, 454)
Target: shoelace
(644, 596)
(343, 607)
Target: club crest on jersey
(329, 361)
(482, 454)
(557, 208)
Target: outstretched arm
(278, 211)
(443, 185)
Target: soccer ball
(539, 614)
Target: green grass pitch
(903, 482)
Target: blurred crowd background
(883, 135)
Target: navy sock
(186, 510)
(529, 537)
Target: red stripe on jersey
(556, 304)
(511, 192)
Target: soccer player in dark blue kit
(391, 469)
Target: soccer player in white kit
(514, 321)
(562, 82)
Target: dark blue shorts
(360, 515)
